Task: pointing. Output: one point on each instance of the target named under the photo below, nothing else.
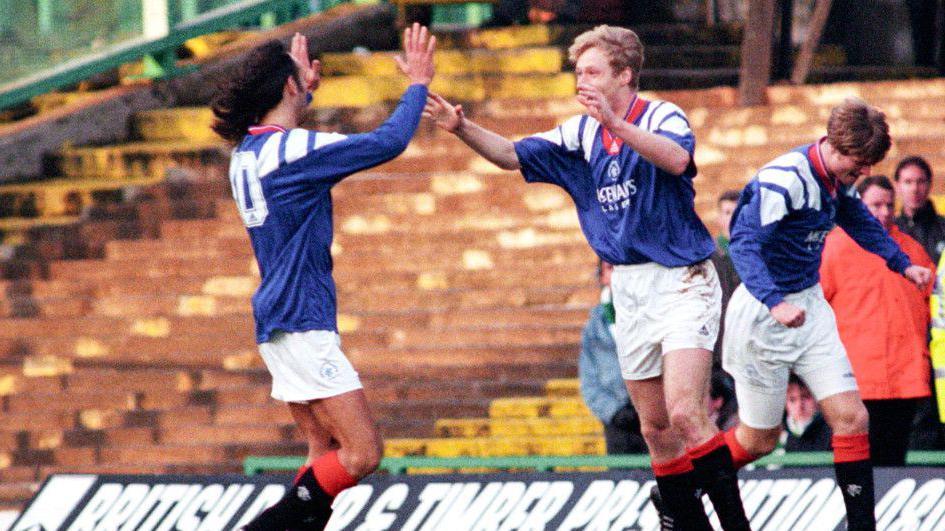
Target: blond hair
(621, 45)
(858, 129)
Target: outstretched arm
(493, 147)
(865, 230)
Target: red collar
(613, 144)
(265, 128)
(820, 167)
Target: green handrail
(253, 465)
(162, 49)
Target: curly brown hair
(858, 129)
(621, 45)
(254, 90)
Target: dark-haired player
(281, 177)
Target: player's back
(287, 208)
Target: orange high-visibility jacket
(882, 317)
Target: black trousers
(890, 427)
(622, 433)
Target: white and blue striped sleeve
(768, 199)
(330, 157)
(781, 191)
(668, 120)
(556, 156)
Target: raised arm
(492, 146)
(336, 156)
(665, 153)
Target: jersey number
(247, 189)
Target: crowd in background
(884, 321)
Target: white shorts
(662, 309)
(760, 353)
(308, 365)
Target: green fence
(46, 45)
(49, 44)
(398, 465)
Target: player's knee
(364, 458)
(685, 418)
(760, 442)
(362, 462)
(851, 421)
(655, 432)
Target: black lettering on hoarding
(780, 489)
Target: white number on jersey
(247, 189)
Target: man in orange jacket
(883, 321)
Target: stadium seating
(128, 345)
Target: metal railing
(132, 30)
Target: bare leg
(349, 421)
(686, 374)
(318, 439)
(346, 420)
(671, 465)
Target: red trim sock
(676, 482)
(679, 465)
(854, 469)
(848, 448)
(706, 448)
(331, 476)
(740, 456)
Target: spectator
(918, 218)
(728, 277)
(602, 384)
(883, 321)
(805, 427)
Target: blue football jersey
(281, 182)
(782, 218)
(631, 212)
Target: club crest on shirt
(613, 170)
